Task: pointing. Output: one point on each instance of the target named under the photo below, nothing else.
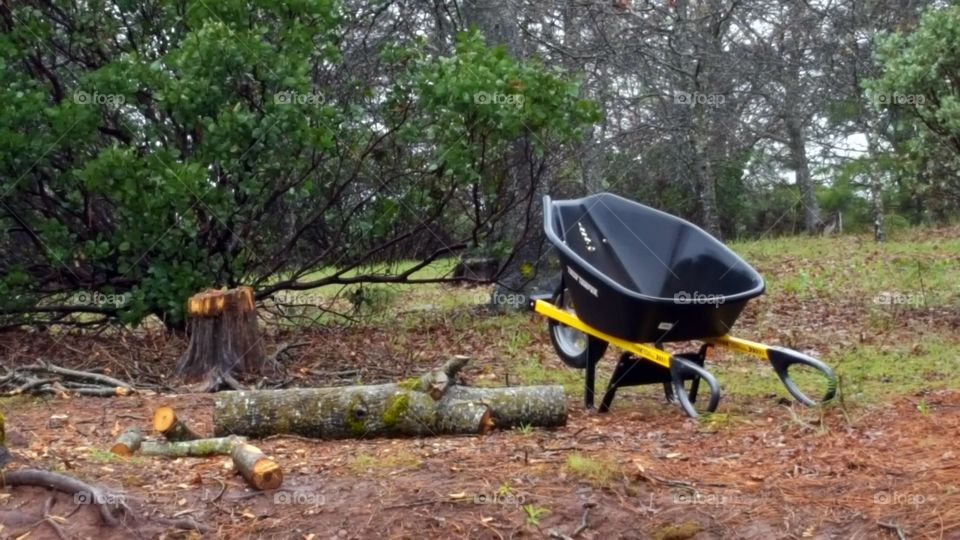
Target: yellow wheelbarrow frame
(678, 369)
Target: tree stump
(223, 339)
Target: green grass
(869, 373)
(105, 456)
(913, 268)
(379, 302)
(531, 371)
(534, 513)
(364, 463)
(598, 471)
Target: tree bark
(876, 194)
(425, 406)
(797, 144)
(223, 339)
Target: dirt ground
(772, 475)
(761, 469)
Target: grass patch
(19, 401)
(869, 373)
(713, 422)
(534, 513)
(364, 463)
(911, 269)
(533, 371)
(600, 472)
(677, 531)
(104, 456)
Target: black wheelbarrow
(637, 278)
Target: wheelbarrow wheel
(577, 349)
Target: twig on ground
(49, 520)
(893, 527)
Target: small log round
(165, 422)
(128, 442)
(257, 469)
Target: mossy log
(194, 448)
(423, 406)
(515, 406)
(257, 469)
(173, 429)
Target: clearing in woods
(881, 462)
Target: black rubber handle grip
(781, 359)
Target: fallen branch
(283, 348)
(49, 520)
(893, 527)
(258, 470)
(30, 385)
(97, 377)
(46, 378)
(194, 448)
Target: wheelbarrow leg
(590, 382)
(668, 393)
(623, 366)
(667, 385)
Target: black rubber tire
(596, 346)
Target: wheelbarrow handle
(682, 369)
(782, 358)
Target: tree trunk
(876, 194)
(706, 187)
(430, 405)
(798, 155)
(223, 339)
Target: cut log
(173, 429)
(128, 442)
(223, 339)
(425, 406)
(257, 469)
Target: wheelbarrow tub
(643, 275)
